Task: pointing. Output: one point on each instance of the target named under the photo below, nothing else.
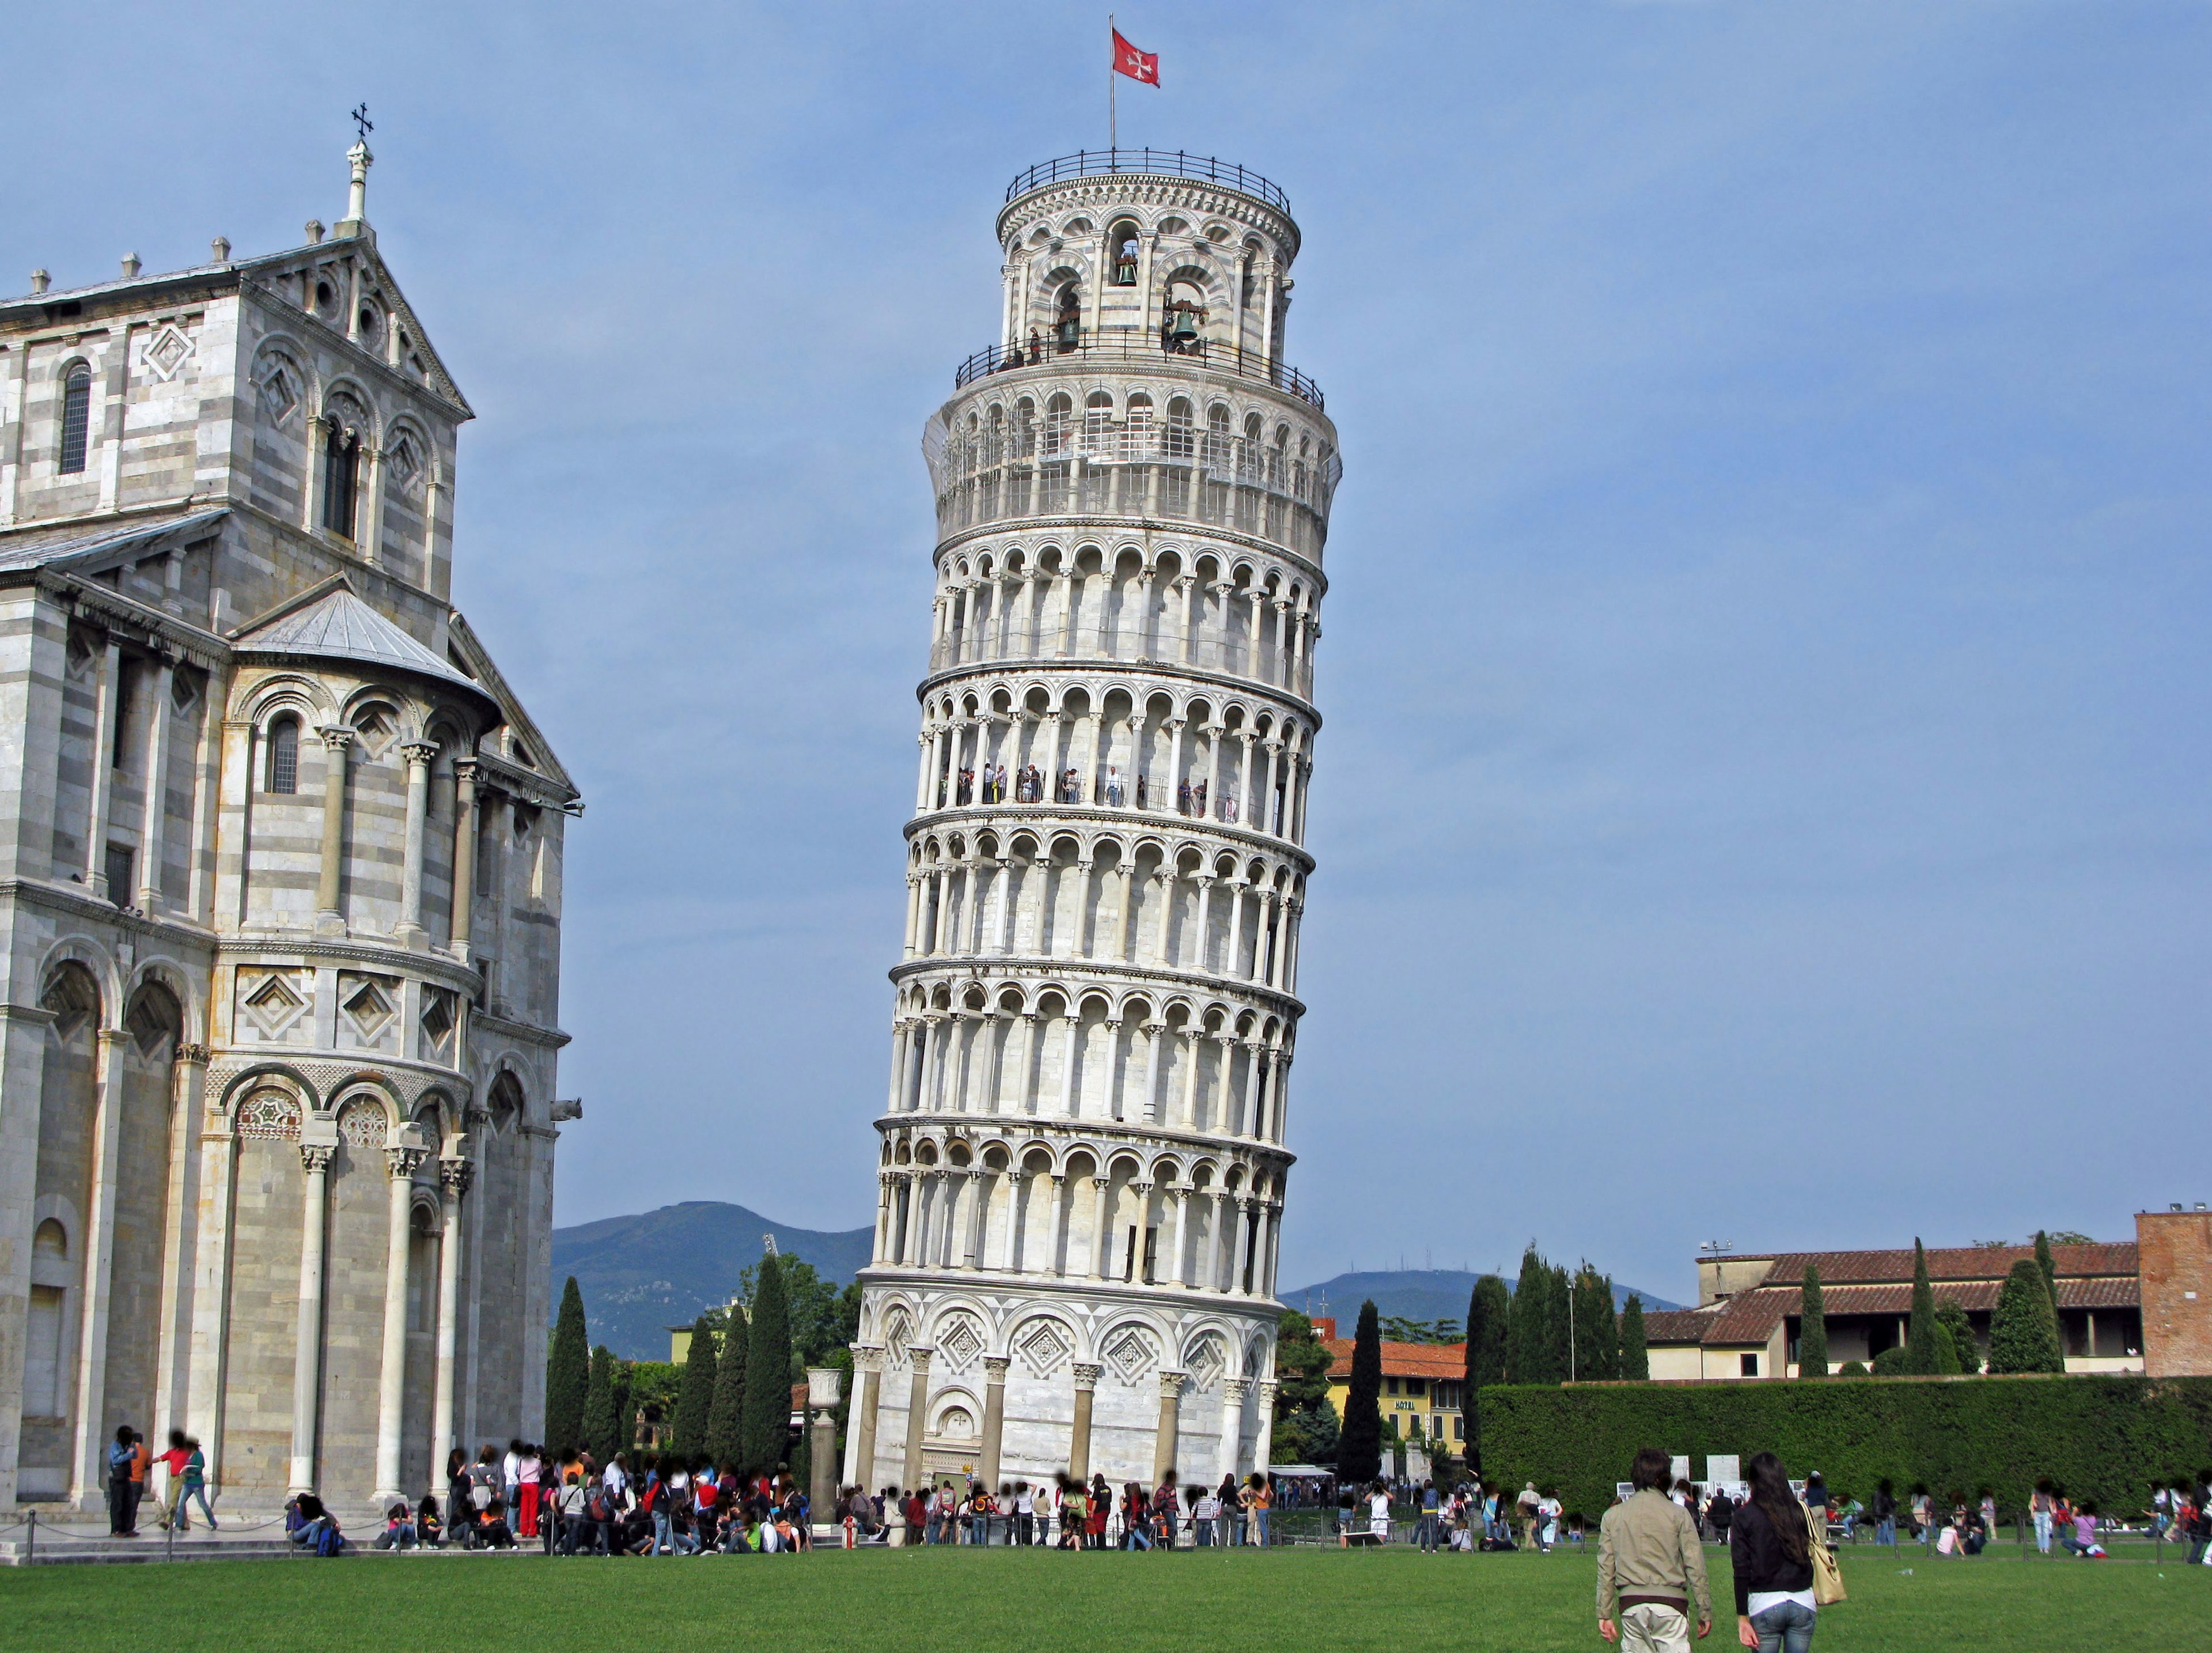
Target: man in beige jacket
(1650, 1566)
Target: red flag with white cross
(1137, 65)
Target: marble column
(465, 869)
(401, 1162)
(868, 1376)
(151, 848)
(306, 1360)
(418, 754)
(329, 919)
(1099, 1236)
(994, 1417)
(917, 1413)
(1265, 1444)
(1233, 1391)
(92, 1423)
(1165, 1439)
(455, 1173)
(107, 692)
(1079, 1445)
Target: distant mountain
(1413, 1293)
(640, 1275)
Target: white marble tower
(1083, 1159)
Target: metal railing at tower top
(1170, 163)
(1137, 345)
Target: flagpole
(1113, 119)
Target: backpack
(329, 1542)
(596, 1508)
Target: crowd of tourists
(632, 1505)
(131, 1464)
(1064, 1513)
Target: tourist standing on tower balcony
(1113, 787)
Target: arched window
(42, 1362)
(341, 478)
(1122, 238)
(76, 415)
(285, 755)
(1058, 416)
(1097, 420)
(1179, 445)
(1140, 425)
(1067, 325)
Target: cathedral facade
(1083, 1157)
(280, 889)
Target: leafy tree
(568, 1374)
(816, 1309)
(726, 1406)
(1968, 1352)
(1946, 1352)
(1896, 1361)
(1527, 1353)
(2024, 1329)
(1854, 1369)
(1359, 1447)
(766, 1436)
(1635, 1358)
(696, 1395)
(1813, 1331)
(1920, 1331)
(1301, 1364)
(2068, 1236)
(600, 1435)
(1597, 1331)
(2048, 1264)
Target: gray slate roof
(338, 625)
(39, 547)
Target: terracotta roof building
(1748, 1318)
(1421, 1384)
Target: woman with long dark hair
(1771, 1547)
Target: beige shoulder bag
(1828, 1576)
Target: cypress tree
(1965, 1350)
(600, 1406)
(2024, 1329)
(1359, 1447)
(1920, 1355)
(1635, 1358)
(1597, 1333)
(694, 1393)
(765, 1435)
(1528, 1345)
(618, 1404)
(1489, 1311)
(1812, 1329)
(568, 1374)
(726, 1409)
(2048, 1264)
(1559, 1322)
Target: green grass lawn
(935, 1599)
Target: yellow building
(1421, 1384)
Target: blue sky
(1764, 790)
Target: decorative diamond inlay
(270, 1114)
(1206, 1364)
(168, 350)
(1130, 1354)
(960, 1343)
(1044, 1346)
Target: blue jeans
(979, 1529)
(1260, 1517)
(185, 1496)
(1239, 1541)
(1885, 1531)
(661, 1542)
(1205, 1525)
(1785, 1627)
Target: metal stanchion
(31, 1543)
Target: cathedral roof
(337, 625)
(72, 543)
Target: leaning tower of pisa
(1083, 1147)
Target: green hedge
(2105, 1438)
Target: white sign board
(1722, 1468)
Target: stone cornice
(1017, 967)
(1044, 818)
(1151, 528)
(1201, 196)
(547, 1038)
(1097, 1298)
(388, 957)
(76, 899)
(1235, 687)
(1248, 1151)
(500, 774)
